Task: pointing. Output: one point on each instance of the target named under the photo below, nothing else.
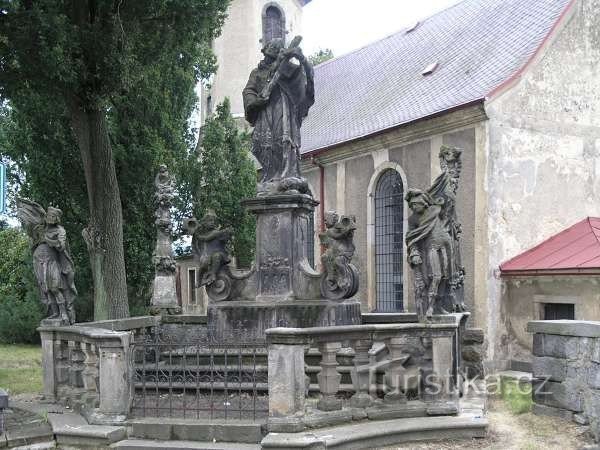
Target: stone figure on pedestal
(52, 262)
(277, 98)
(209, 244)
(164, 296)
(209, 247)
(340, 279)
(433, 241)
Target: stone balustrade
(88, 366)
(421, 372)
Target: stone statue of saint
(433, 241)
(52, 262)
(209, 245)
(340, 278)
(277, 98)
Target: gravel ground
(516, 432)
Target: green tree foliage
(221, 174)
(321, 56)
(20, 308)
(99, 94)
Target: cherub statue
(52, 262)
(340, 277)
(209, 245)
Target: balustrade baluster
(395, 372)
(89, 374)
(329, 378)
(362, 374)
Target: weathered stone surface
(555, 346)
(433, 240)
(152, 430)
(595, 349)
(233, 431)
(340, 278)
(558, 395)
(286, 381)
(382, 433)
(471, 353)
(53, 265)
(580, 328)
(260, 316)
(543, 410)
(593, 375)
(547, 367)
(277, 98)
(473, 336)
(164, 296)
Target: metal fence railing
(200, 377)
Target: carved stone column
(329, 378)
(164, 293)
(362, 374)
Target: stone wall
(523, 300)
(544, 148)
(566, 370)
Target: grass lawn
(20, 368)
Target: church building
(513, 83)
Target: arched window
(273, 24)
(389, 241)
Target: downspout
(315, 162)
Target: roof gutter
(319, 151)
(549, 272)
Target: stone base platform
(254, 318)
(366, 435)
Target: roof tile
(577, 247)
(479, 44)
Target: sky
(345, 25)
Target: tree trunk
(104, 235)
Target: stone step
(381, 433)
(147, 444)
(243, 432)
(72, 430)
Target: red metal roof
(574, 250)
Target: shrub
(20, 307)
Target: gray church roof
(477, 44)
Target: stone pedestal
(253, 318)
(287, 289)
(164, 293)
(282, 269)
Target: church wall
(358, 174)
(544, 161)
(350, 186)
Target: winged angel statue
(52, 262)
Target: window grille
(389, 242)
